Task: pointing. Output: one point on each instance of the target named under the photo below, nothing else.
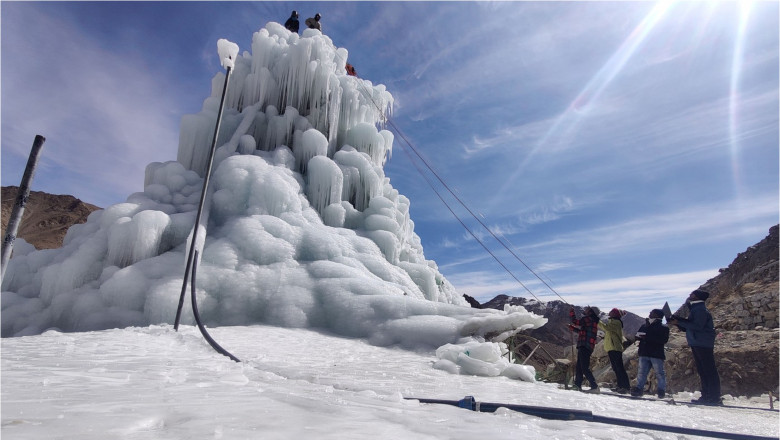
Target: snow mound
(301, 228)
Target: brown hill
(744, 305)
(46, 218)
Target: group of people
(652, 336)
(292, 24)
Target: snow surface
(154, 383)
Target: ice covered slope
(303, 227)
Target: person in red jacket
(587, 330)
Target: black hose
(677, 429)
(202, 328)
(572, 414)
(206, 177)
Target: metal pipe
(21, 199)
(200, 205)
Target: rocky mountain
(744, 295)
(46, 217)
(744, 304)
(556, 330)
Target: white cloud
(104, 113)
(639, 294)
(668, 230)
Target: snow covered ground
(155, 383)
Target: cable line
(430, 168)
(471, 212)
(466, 227)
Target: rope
(467, 228)
(387, 120)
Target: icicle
(246, 144)
(312, 143)
(325, 183)
(369, 183)
(135, 239)
(280, 128)
(365, 138)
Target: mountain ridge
(744, 305)
(46, 217)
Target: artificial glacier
(301, 227)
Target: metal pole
(200, 206)
(21, 199)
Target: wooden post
(532, 353)
(21, 199)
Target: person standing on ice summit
(613, 344)
(587, 329)
(700, 333)
(292, 24)
(314, 23)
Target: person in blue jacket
(292, 24)
(700, 333)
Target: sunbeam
(565, 125)
(736, 73)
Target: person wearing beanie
(587, 330)
(292, 23)
(613, 344)
(700, 334)
(652, 336)
(314, 23)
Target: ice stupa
(303, 227)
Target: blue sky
(625, 150)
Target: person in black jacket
(292, 23)
(652, 336)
